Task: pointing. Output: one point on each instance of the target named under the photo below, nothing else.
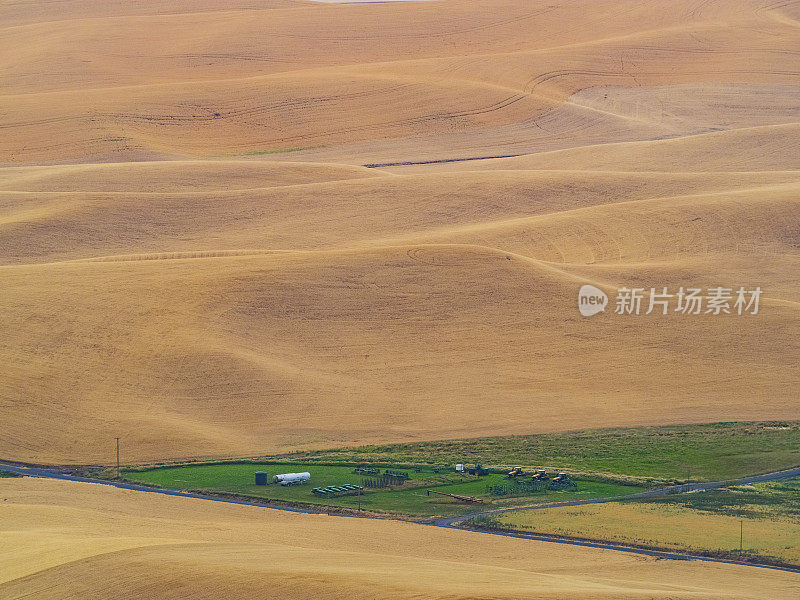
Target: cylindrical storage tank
(261, 478)
(291, 477)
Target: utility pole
(359, 499)
(741, 535)
(116, 438)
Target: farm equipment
(366, 471)
(291, 478)
(538, 483)
(458, 497)
(516, 472)
(336, 491)
(561, 482)
(397, 474)
(478, 470)
(384, 481)
(517, 487)
(379, 482)
(291, 482)
(498, 490)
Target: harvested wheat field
(249, 228)
(665, 526)
(67, 540)
(275, 225)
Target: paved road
(450, 522)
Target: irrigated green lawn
(698, 452)
(411, 499)
(703, 452)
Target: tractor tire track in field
(453, 522)
(436, 161)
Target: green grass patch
(7, 474)
(608, 463)
(704, 452)
(409, 499)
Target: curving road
(451, 522)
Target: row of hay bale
(334, 491)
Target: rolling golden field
(72, 540)
(239, 228)
(196, 259)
